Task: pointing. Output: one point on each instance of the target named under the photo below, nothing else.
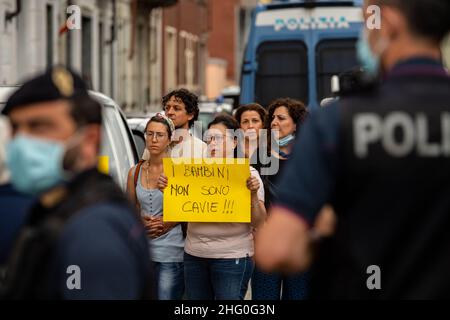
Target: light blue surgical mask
(35, 164)
(283, 142)
(369, 61)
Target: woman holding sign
(218, 259)
(165, 239)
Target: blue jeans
(170, 277)
(217, 279)
(272, 286)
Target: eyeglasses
(158, 135)
(217, 138)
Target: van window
(333, 57)
(282, 71)
(139, 140)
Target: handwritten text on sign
(207, 192)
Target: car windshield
(205, 118)
(140, 142)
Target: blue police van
(295, 48)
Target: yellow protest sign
(207, 190)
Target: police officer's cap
(55, 84)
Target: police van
(296, 47)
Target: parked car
(208, 110)
(5, 93)
(231, 94)
(117, 141)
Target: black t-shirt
(270, 182)
(255, 160)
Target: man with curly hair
(181, 106)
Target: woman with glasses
(218, 258)
(166, 239)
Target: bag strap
(136, 177)
(136, 172)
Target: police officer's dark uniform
(382, 159)
(86, 223)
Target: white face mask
(370, 60)
(286, 140)
(37, 164)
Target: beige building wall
(156, 67)
(127, 80)
(216, 75)
(8, 35)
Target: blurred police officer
(14, 205)
(382, 158)
(82, 239)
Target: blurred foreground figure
(14, 205)
(381, 158)
(82, 239)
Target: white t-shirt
(222, 240)
(190, 147)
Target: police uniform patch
(54, 196)
(63, 81)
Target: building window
(69, 49)
(171, 59)
(156, 66)
(101, 41)
(86, 47)
(49, 32)
(188, 53)
(200, 65)
(197, 67)
(190, 61)
(141, 61)
(182, 58)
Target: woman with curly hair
(285, 117)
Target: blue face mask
(369, 61)
(283, 142)
(35, 164)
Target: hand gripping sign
(210, 190)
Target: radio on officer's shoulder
(349, 83)
(354, 81)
